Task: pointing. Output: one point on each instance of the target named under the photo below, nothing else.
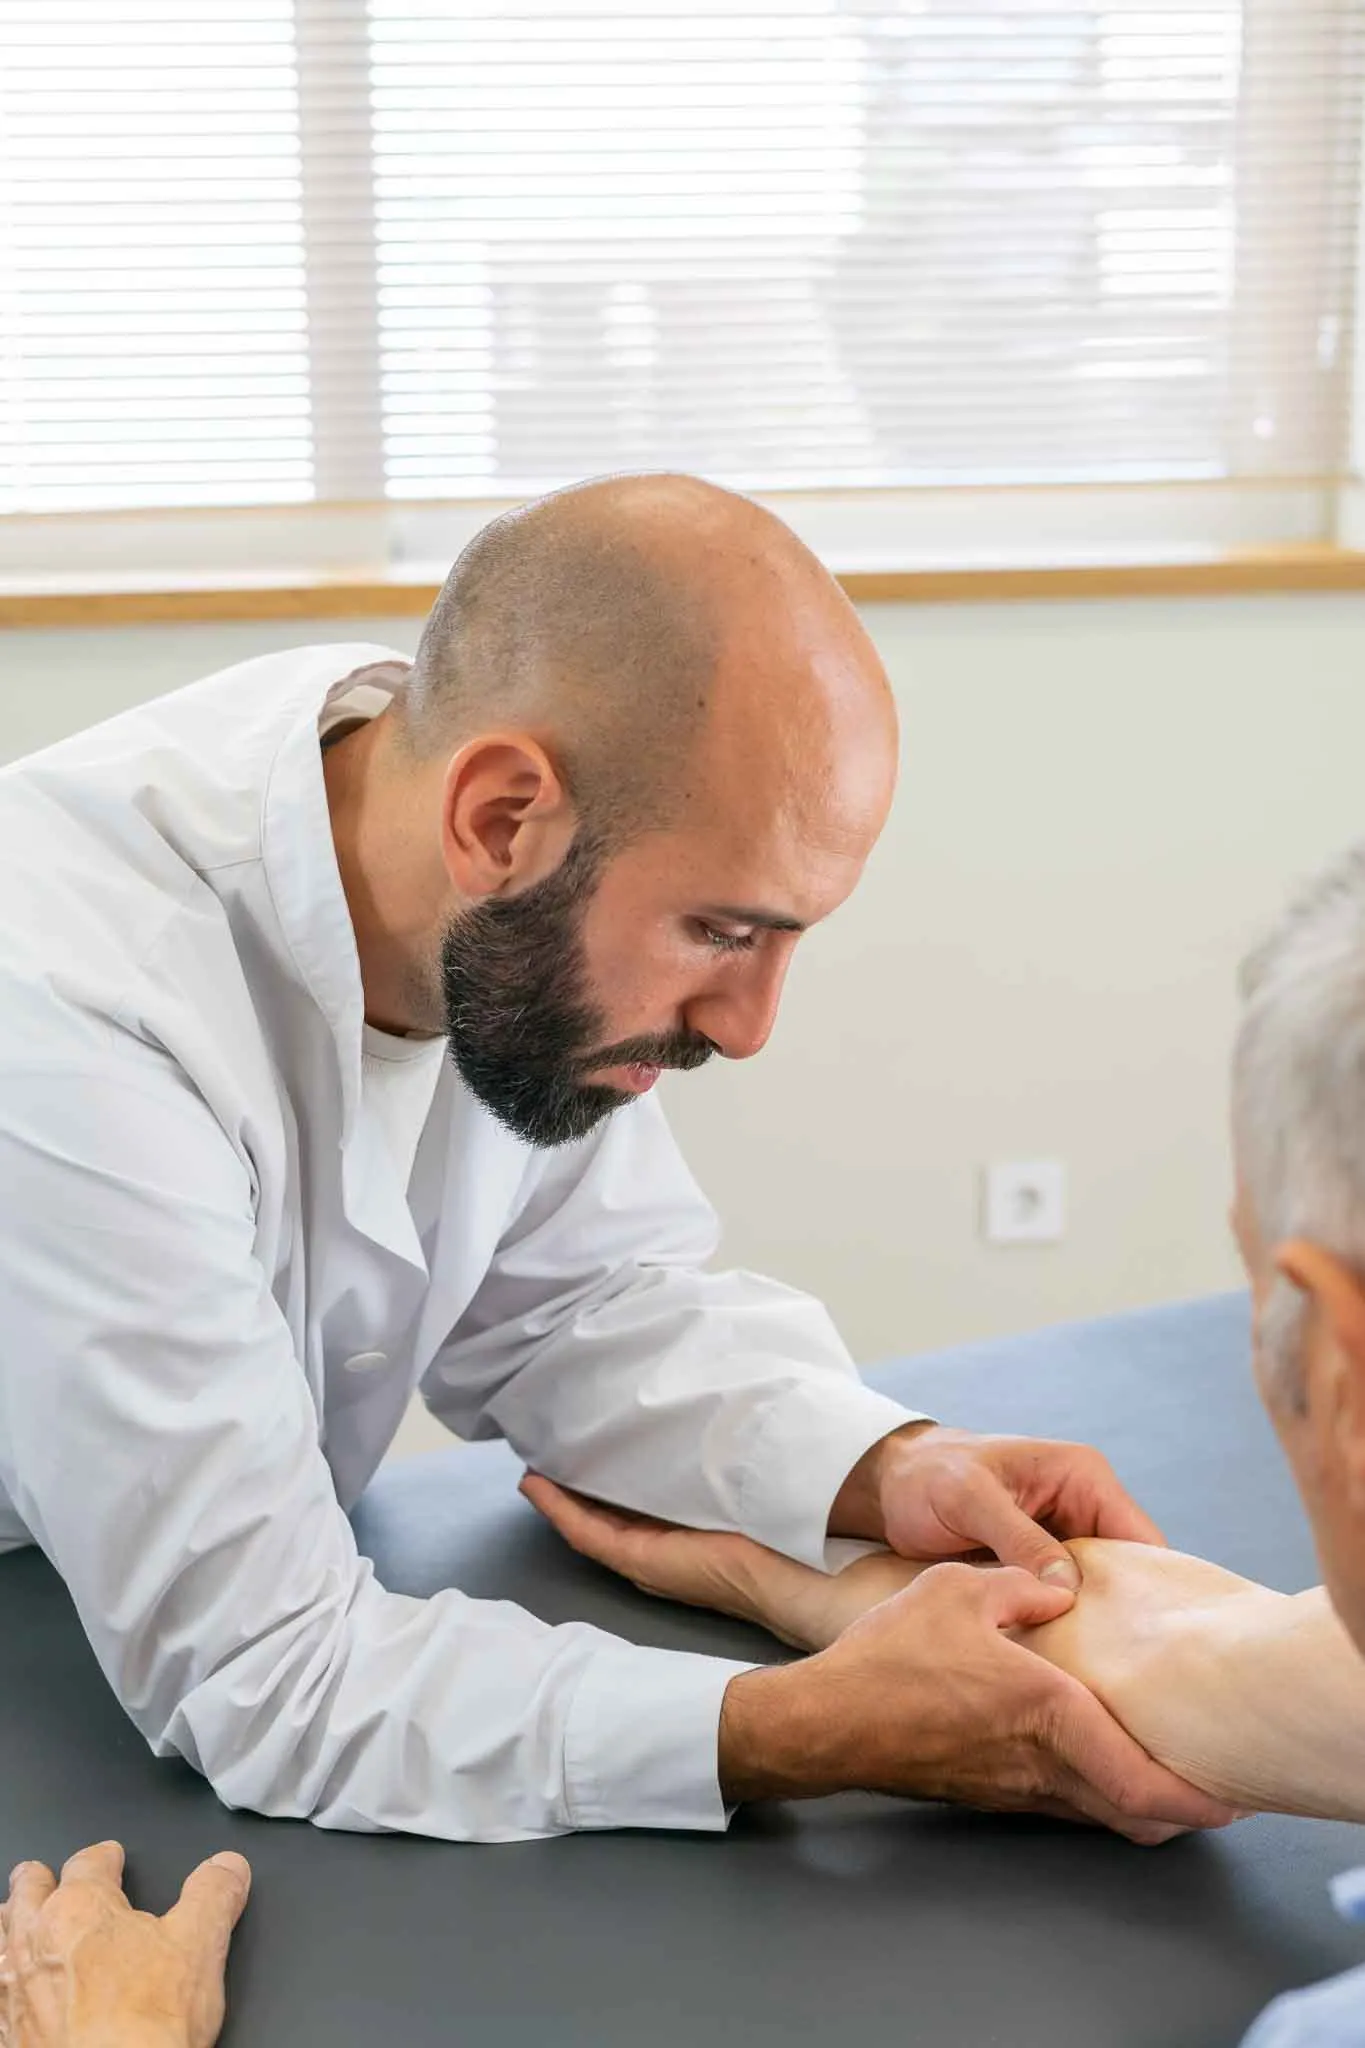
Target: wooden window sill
(152, 600)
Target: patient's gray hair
(1298, 1093)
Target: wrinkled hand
(933, 1493)
(79, 1968)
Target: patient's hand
(1255, 1696)
(80, 1969)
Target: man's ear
(506, 819)
(1333, 1358)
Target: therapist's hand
(922, 1691)
(79, 1968)
(926, 1696)
(930, 1492)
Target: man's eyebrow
(762, 920)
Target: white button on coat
(200, 1221)
(366, 1361)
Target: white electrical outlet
(1025, 1201)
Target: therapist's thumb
(1013, 1599)
(211, 1901)
(1001, 1525)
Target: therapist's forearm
(759, 1744)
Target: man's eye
(724, 942)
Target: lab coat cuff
(642, 1740)
(809, 1443)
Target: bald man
(332, 993)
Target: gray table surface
(852, 1918)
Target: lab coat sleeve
(159, 1439)
(1327, 2015)
(614, 1362)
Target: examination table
(851, 1919)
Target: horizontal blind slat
(789, 239)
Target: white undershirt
(398, 1079)
(398, 1076)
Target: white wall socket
(1024, 1201)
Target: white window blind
(261, 252)
(153, 335)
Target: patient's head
(651, 743)
(1299, 1138)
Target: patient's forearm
(1255, 1696)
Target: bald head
(627, 621)
(645, 744)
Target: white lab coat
(216, 1299)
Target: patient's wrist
(790, 1600)
(811, 1609)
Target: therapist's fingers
(1149, 1836)
(653, 1555)
(1091, 1500)
(1069, 1489)
(702, 1567)
(636, 1547)
(945, 1493)
(1109, 1778)
(1121, 1517)
(1101, 1773)
(1061, 1489)
(610, 1536)
(989, 1515)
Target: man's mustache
(683, 1051)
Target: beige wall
(1101, 804)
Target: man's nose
(738, 1015)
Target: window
(288, 251)
(153, 307)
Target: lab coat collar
(299, 856)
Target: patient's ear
(1332, 1361)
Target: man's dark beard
(521, 1024)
